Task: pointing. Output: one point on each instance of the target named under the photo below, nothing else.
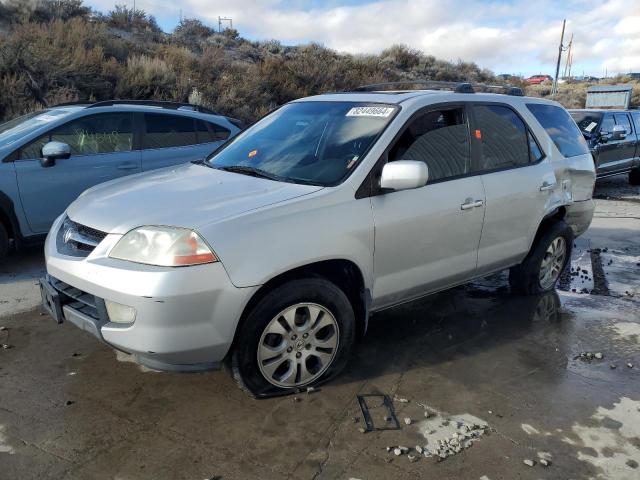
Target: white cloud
(520, 35)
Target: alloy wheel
(298, 345)
(552, 263)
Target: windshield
(18, 127)
(306, 142)
(587, 121)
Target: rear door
(626, 146)
(426, 239)
(517, 181)
(102, 148)
(172, 139)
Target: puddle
(4, 446)
(609, 440)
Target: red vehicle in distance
(538, 79)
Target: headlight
(164, 247)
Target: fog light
(119, 313)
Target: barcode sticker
(370, 112)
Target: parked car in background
(49, 157)
(613, 138)
(271, 254)
(538, 79)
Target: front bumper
(185, 317)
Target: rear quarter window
(561, 128)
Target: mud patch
(126, 358)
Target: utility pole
(554, 89)
(567, 65)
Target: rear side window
(438, 138)
(561, 128)
(210, 132)
(623, 119)
(165, 131)
(504, 137)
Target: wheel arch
(8, 217)
(345, 274)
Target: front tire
(540, 270)
(634, 176)
(298, 335)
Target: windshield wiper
(254, 172)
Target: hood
(188, 196)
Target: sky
(506, 36)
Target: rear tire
(540, 270)
(634, 176)
(4, 241)
(298, 335)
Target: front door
(101, 150)
(426, 239)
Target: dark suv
(613, 140)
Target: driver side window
(607, 124)
(439, 138)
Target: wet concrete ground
(70, 410)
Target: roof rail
(154, 103)
(458, 87)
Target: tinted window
(561, 128)
(607, 124)
(164, 131)
(308, 142)
(210, 132)
(534, 149)
(504, 137)
(438, 138)
(623, 119)
(105, 133)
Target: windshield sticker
(590, 127)
(252, 153)
(370, 112)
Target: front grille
(83, 302)
(77, 240)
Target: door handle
(471, 203)
(547, 186)
(127, 166)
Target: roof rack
(457, 87)
(149, 103)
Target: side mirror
(53, 151)
(404, 175)
(618, 133)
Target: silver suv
(271, 254)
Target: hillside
(54, 51)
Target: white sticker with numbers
(370, 112)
